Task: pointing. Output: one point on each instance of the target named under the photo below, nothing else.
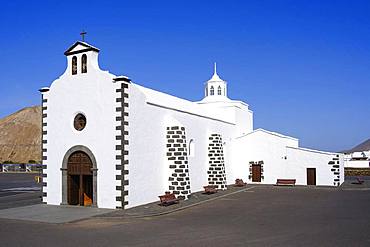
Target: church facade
(112, 143)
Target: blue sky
(302, 66)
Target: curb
(173, 210)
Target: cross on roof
(83, 33)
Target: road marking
(22, 189)
(356, 189)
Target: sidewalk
(51, 213)
(154, 209)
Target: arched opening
(84, 64)
(74, 65)
(219, 90)
(191, 148)
(212, 91)
(80, 179)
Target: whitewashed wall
(93, 95)
(299, 159)
(357, 163)
(257, 146)
(150, 113)
(280, 161)
(149, 171)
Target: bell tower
(215, 88)
(81, 58)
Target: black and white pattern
(122, 142)
(251, 163)
(177, 157)
(216, 171)
(335, 163)
(44, 141)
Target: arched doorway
(80, 179)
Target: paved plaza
(259, 215)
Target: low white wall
(357, 164)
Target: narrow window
(191, 148)
(74, 65)
(84, 64)
(219, 90)
(206, 91)
(212, 91)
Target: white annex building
(111, 143)
(357, 159)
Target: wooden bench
(168, 199)
(239, 183)
(210, 189)
(359, 180)
(285, 182)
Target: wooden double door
(80, 179)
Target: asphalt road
(18, 189)
(262, 216)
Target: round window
(79, 122)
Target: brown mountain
(20, 136)
(364, 146)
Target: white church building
(112, 143)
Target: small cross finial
(83, 33)
(215, 68)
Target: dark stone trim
(122, 78)
(122, 140)
(80, 51)
(88, 48)
(43, 133)
(44, 90)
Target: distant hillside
(365, 146)
(20, 136)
